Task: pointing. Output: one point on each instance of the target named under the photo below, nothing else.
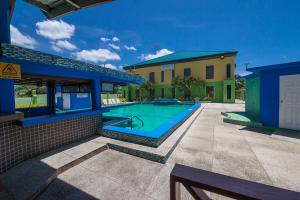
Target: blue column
(51, 97)
(96, 94)
(4, 22)
(7, 94)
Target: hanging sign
(9, 70)
(167, 67)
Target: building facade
(216, 69)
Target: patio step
(28, 179)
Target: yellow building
(215, 68)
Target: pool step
(28, 179)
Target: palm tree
(149, 88)
(185, 85)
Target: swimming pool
(152, 115)
(148, 124)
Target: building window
(173, 73)
(210, 72)
(210, 91)
(173, 92)
(228, 92)
(162, 92)
(228, 71)
(152, 77)
(162, 76)
(187, 72)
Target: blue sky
(263, 31)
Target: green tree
(239, 82)
(185, 85)
(149, 88)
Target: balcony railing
(196, 181)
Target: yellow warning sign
(9, 70)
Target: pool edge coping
(153, 156)
(166, 129)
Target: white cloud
(56, 48)
(111, 66)
(104, 39)
(115, 39)
(130, 48)
(121, 67)
(20, 39)
(60, 45)
(64, 44)
(244, 73)
(114, 46)
(55, 30)
(97, 55)
(159, 53)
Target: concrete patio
(209, 144)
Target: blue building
(273, 95)
(27, 132)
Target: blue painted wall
(96, 94)
(33, 112)
(269, 94)
(60, 103)
(7, 95)
(75, 102)
(80, 103)
(4, 21)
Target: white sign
(82, 95)
(167, 67)
(58, 94)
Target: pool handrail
(137, 119)
(130, 119)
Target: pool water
(152, 115)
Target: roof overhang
(274, 67)
(42, 64)
(136, 66)
(252, 75)
(57, 8)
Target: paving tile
(87, 184)
(57, 160)
(281, 159)
(209, 144)
(27, 178)
(196, 145)
(284, 178)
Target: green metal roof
(181, 56)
